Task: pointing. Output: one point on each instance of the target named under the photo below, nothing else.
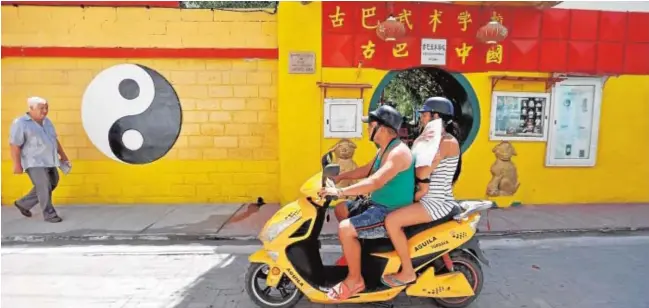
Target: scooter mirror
(326, 159)
(330, 170)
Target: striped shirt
(439, 201)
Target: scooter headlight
(272, 231)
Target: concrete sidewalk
(228, 221)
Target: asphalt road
(584, 272)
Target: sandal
(393, 282)
(341, 291)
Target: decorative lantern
(493, 32)
(390, 29)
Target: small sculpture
(344, 153)
(504, 181)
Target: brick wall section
(38, 26)
(228, 147)
(227, 150)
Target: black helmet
(441, 105)
(385, 115)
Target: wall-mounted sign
(343, 118)
(520, 116)
(433, 51)
(301, 62)
(575, 122)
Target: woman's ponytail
(453, 129)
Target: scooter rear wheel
(284, 295)
(472, 270)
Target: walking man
(35, 149)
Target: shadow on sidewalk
(222, 286)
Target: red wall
(550, 40)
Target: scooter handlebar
(328, 172)
(328, 200)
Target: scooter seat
(385, 244)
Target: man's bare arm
(397, 161)
(355, 174)
(59, 148)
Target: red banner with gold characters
(444, 35)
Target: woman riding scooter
(448, 256)
(435, 178)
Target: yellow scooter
(445, 254)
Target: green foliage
(228, 4)
(410, 88)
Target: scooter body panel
(452, 284)
(378, 296)
(433, 242)
(300, 210)
(295, 252)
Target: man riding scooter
(390, 179)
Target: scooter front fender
(261, 256)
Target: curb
(42, 238)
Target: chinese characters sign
(433, 52)
(440, 34)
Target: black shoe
(54, 219)
(25, 212)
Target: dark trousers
(45, 181)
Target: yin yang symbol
(131, 114)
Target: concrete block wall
(38, 26)
(227, 150)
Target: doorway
(406, 90)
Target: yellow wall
(621, 173)
(38, 26)
(228, 147)
(252, 129)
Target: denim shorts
(371, 223)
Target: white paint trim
(612, 6)
(329, 114)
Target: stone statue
(343, 156)
(504, 177)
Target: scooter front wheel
(284, 295)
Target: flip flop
(341, 291)
(395, 283)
